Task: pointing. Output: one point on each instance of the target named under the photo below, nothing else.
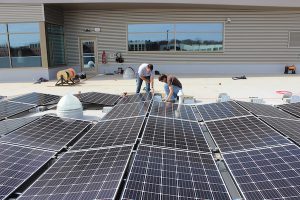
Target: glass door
(88, 57)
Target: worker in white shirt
(145, 73)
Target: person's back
(172, 80)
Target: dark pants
(139, 83)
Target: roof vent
(69, 107)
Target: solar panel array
(171, 110)
(128, 110)
(99, 98)
(269, 173)
(10, 125)
(48, 132)
(111, 133)
(2, 97)
(39, 99)
(135, 98)
(175, 134)
(293, 108)
(17, 164)
(169, 174)
(94, 174)
(9, 108)
(265, 110)
(243, 133)
(222, 110)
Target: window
(55, 44)
(294, 39)
(199, 37)
(4, 54)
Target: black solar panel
(174, 133)
(271, 173)
(172, 110)
(2, 97)
(9, 108)
(128, 110)
(111, 133)
(10, 125)
(48, 132)
(94, 174)
(243, 133)
(99, 98)
(293, 108)
(39, 99)
(169, 174)
(17, 164)
(264, 110)
(290, 128)
(215, 111)
(136, 98)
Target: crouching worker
(145, 73)
(172, 86)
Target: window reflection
(4, 55)
(55, 44)
(2, 28)
(150, 28)
(23, 28)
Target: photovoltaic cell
(48, 132)
(270, 173)
(99, 98)
(290, 128)
(265, 110)
(293, 108)
(215, 111)
(111, 133)
(17, 164)
(9, 108)
(172, 175)
(128, 110)
(83, 175)
(136, 98)
(171, 110)
(175, 134)
(10, 125)
(39, 99)
(244, 133)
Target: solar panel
(171, 110)
(169, 174)
(48, 132)
(128, 110)
(215, 111)
(94, 174)
(270, 173)
(293, 108)
(39, 99)
(9, 108)
(135, 98)
(2, 97)
(175, 134)
(111, 133)
(243, 133)
(290, 128)
(10, 125)
(264, 110)
(17, 164)
(99, 98)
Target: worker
(172, 86)
(145, 73)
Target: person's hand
(152, 91)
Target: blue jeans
(175, 91)
(139, 83)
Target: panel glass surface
(99, 98)
(39, 99)
(293, 108)
(10, 125)
(135, 98)
(9, 108)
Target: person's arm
(144, 79)
(170, 93)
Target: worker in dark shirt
(172, 86)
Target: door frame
(88, 38)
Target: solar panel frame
(103, 99)
(174, 134)
(172, 110)
(265, 110)
(136, 98)
(39, 99)
(173, 174)
(99, 171)
(18, 164)
(9, 125)
(111, 133)
(223, 110)
(236, 134)
(266, 173)
(10, 108)
(49, 133)
(292, 108)
(128, 110)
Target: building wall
(252, 37)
